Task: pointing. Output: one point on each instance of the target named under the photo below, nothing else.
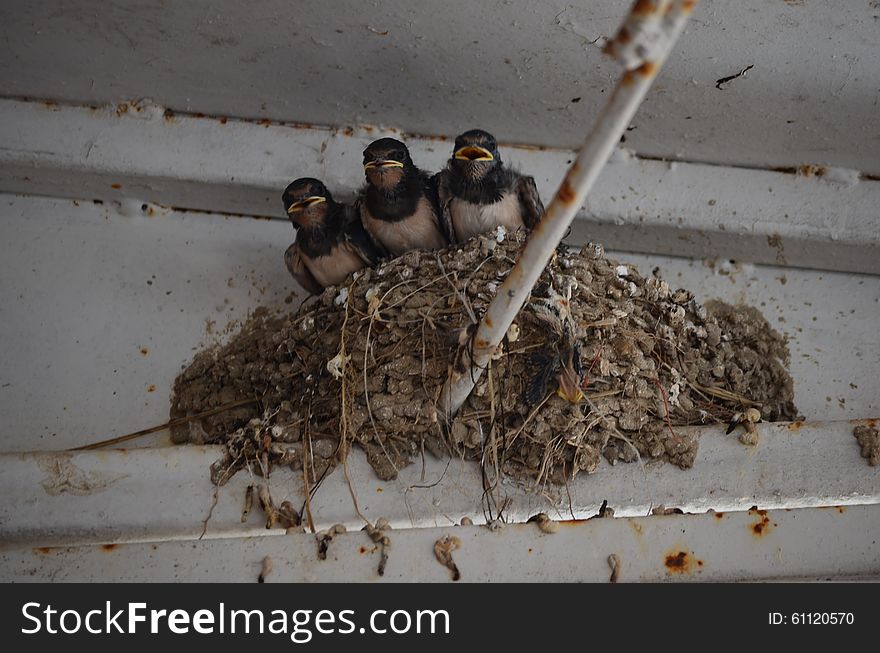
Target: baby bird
(398, 206)
(330, 241)
(477, 193)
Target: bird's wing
(429, 186)
(356, 223)
(440, 184)
(542, 367)
(530, 200)
(297, 267)
(360, 242)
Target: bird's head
(307, 202)
(386, 163)
(475, 155)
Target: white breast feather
(472, 219)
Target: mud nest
(602, 362)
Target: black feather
(536, 387)
(530, 201)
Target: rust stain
(144, 351)
(44, 550)
(647, 69)
(566, 192)
(168, 115)
(688, 6)
(841, 509)
(810, 170)
(151, 387)
(108, 547)
(643, 8)
(719, 516)
(681, 562)
(795, 426)
(116, 186)
(51, 105)
(222, 121)
(378, 489)
(363, 550)
(628, 78)
(488, 321)
(264, 122)
(623, 36)
(571, 522)
(121, 109)
(763, 526)
(637, 527)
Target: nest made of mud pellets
(602, 362)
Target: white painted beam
(136, 153)
(101, 306)
(165, 493)
(803, 544)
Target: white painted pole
(642, 44)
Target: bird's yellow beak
(296, 207)
(568, 386)
(383, 163)
(473, 153)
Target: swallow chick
(565, 360)
(398, 206)
(330, 240)
(478, 193)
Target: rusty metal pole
(641, 45)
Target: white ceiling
(439, 67)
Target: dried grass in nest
(363, 364)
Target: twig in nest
(443, 549)
(367, 397)
(592, 364)
(666, 406)
(528, 419)
(343, 418)
(307, 505)
(721, 393)
(462, 298)
(179, 421)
